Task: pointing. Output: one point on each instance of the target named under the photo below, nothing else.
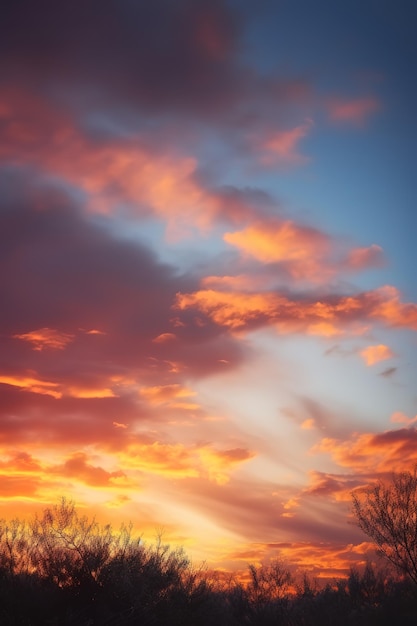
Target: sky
(207, 268)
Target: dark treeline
(62, 568)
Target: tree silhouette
(63, 568)
(388, 515)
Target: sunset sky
(207, 268)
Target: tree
(387, 513)
(70, 549)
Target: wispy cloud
(46, 338)
(282, 147)
(354, 110)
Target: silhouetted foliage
(388, 515)
(62, 568)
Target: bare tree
(268, 582)
(70, 548)
(388, 515)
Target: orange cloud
(375, 354)
(369, 453)
(84, 392)
(15, 487)
(388, 308)
(355, 111)
(21, 476)
(20, 461)
(301, 247)
(161, 394)
(32, 384)
(46, 338)
(326, 317)
(324, 561)
(289, 506)
(57, 389)
(77, 467)
(42, 478)
(179, 461)
(304, 253)
(219, 463)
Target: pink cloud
(281, 147)
(400, 418)
(112, 172)
(362, 258)
(354, 111)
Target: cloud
(400, 418)
(326, 561)
(327, 316)
(390, 371)
(165, 72)
(15, 487)
(21, 461)
(327, 485)
(111, 172)
(46, 338)
(77, 467)
(370, 454)
(163, 337)
(353, 111)
(285, 242)
(85, 392)
(252, 508)
(121, 176)
(32, 384)
(374, 354)
(174, 395)
(175, 55)
(364, 258)
(71, 275)
(120, 123)
(295, 251)
(46, 476)
(322, 560)
(281, 147)
(179, 461)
